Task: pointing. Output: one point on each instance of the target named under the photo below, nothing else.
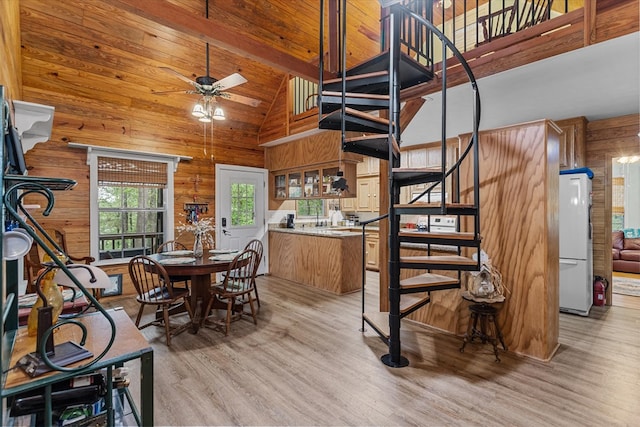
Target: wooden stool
(489, 331)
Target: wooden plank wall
(606, 140)
(10, 67)
(519, 226)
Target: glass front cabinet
(319, 182)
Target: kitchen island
(320, 257)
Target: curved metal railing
(13, 196)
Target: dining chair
(61, 240)
(32, 266)
(236, 288)
(171, 245)
(256, 245)
(154, 288)
(174, 245)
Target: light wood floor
(627, 301)
(307, 363)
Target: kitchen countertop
(319, 231)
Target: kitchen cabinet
(280, 186)
(369, 166)
(328, 261)
(429, 155)
(348, 204)
(571, 146)
(313, 182)
(368, 199)
(372, 251)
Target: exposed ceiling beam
(180, 20)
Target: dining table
(199, 269)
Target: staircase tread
(419, 205)
(462, 235)
(357, 77)
(381, 321)
(426, 280)
(439, 259)
(356, 95)
(409, 301)
(363, 115)
(364, 138)
(431, 169)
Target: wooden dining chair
(171, 245)
(256, 245)
(174, 245)
(236, 289)
(154, 288)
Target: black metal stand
(486, 316)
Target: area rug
(626, 286)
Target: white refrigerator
(576, 253)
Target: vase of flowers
(202, 233)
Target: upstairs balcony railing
(467, 23)
(472, 23)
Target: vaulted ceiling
(111, 52)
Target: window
(131, 208)
(304, 95)
(243, 203)
(311, 207)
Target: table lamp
(68, 352)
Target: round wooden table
(200, 272)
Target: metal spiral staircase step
(379, 321)
(411, 176)
(428, 282)
(412, 302)
(332, 101)
(435, 208)
(371, 83)
(372, 145)
(410, 71)
(355, 120)
(439, 262)
(458, 235)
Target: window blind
(131, 173)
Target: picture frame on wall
(116, 288)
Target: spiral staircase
(364, 104)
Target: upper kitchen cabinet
(311, 167)
(572, 147)
(369, 166)
(426, 155)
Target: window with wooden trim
(131, 209)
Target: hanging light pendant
(218, 114)
(198, 110)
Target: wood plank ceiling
(98, 61)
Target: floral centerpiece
(202, 232)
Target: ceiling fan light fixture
(218, 114)
(198, 110)
(205, 119)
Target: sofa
(625, 253)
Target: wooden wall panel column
(606, 140)
(519, 226)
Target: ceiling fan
(210, 89)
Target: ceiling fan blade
(164, 92)
(230, 81)
(178, 75)
(241, 99)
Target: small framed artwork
(116, 286)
